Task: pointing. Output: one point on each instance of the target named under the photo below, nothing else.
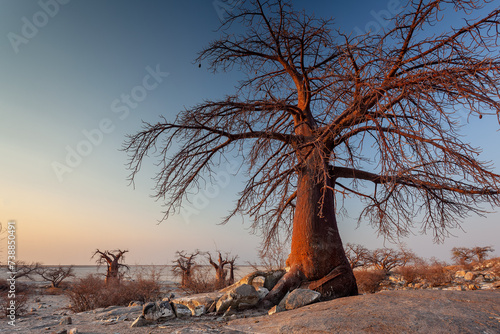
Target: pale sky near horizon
(73, 87)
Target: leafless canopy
(357, 255)
(383, 110)
(464, 255)
(387, 259)
(56, 275)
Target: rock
(73, 331)
(120, 312)
(181, 311)
(396, 279)
(262, 292)
(460, 274)
(208, 300)
(469, 276)
(272, 279)
(275, 309)
(298, 298)
(243, 294)
(159, 310)
(479, 279)
(489, 277)
(140, 322)
(65, 321)
(473, 287)
(136, 303)
(199, 311)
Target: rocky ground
(414, 311)
(470, 303)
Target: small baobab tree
(481, 253)
(461, 255)
(465, 255)
(387, 259)
(184, 266)
(322, 115)
(114, 261)
(220, 272)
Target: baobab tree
(220, 272)
(481, 253)
(322, 115)
(386, 259)
(113, 260)
(184, 265)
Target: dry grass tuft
(369, 280)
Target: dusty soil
(411, 311)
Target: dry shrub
(411, 274)
(202, 280)
(92, 292)
(435, 273)
(22, 295)
(369, 280)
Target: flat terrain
(409, 311)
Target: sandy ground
(411, 311)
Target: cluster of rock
(241, 296)
(484, 276)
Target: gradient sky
(72, 75)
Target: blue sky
(89, 72)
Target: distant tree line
(387, 259)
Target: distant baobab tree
(113, 260)
(323, 115)
(184, 265)
(220, 272)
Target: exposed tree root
(340, 282)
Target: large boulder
(159, 310)
(242, 296)
(298, 298)
(195, 302)
(469, 276)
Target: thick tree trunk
(220, 277)
(112, 275)
(317, 259)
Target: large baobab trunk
(317, 259)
